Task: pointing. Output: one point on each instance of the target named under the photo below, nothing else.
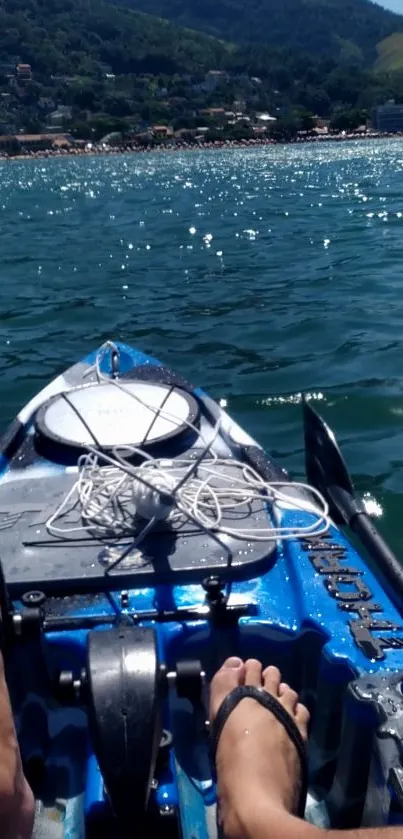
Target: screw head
(33, 598)
(212, 585)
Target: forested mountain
(341, 28)
(112, 68)
(88, 37)
(68, 37)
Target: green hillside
(113, 69)
(341, 28)
(390, 54)
(82, 38)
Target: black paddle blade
(326, 471)
(325, 466)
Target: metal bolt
(167, 810)
(33, 598)
(124, 599)
(17, 624)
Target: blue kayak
(145, 537)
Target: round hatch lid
(138, 414)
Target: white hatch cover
(134, 414)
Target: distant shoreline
(182, 146)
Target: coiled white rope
(206, 490)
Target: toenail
(233, 663)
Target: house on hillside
(20, 143)
(64, 79)
(162, 132)
(218, 115)
(322, 123)
(388, 118)
(63, 141)
(56, 118)
(24, 72)
(265, 119)
(35, 142)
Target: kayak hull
(182, 604)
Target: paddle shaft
(386, 561)
(327, 471)
(386, 567)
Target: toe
(228, 677)
(272, 679)
(253, 672)
(302, 719)
(289, 698)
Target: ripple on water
(259, 273)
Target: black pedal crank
(124, 703)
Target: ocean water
(258, 274)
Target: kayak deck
(84, 605)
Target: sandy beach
(181, 146)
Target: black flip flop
(274, 706)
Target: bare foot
(17, 806)
(255, 757)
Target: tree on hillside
(347, 30)
(348, 120)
